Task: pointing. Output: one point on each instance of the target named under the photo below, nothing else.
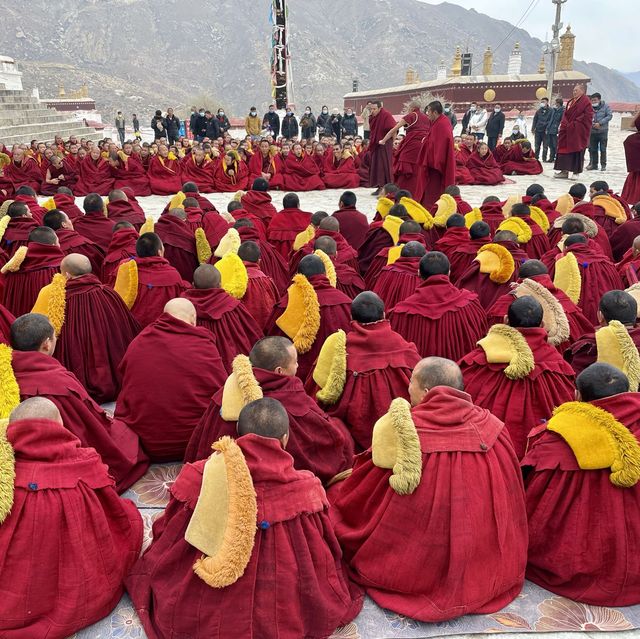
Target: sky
(604, 29)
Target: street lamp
(552, 49)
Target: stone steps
(9, 137)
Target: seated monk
(348, 280)
(28, 195)
(147, 282)
(286, 224)
(64, 200)
(516, 374)
(211, 222)
(23, 170)
(71, 241)
(301, 172)
(266, 163)
(37, 373)
(353, 224)
(629, 266)
(234, 328)
(281, 515)
(197, 168)
(492, 214)
(180, 362)
(463, 254)
(94, 174)
(234, 208)
(606, 208)
(583, 466)
(179, 242)
(438, 318)
(127, 170)
(400, 279)
(93, 325)
(230, 173)
(358, 375)
(164, 172)
(67, 539)
(122, 247)
(261, 294)
(521, 160)
(257, 201)
(622, 238)
(483, 166)
(119, 208)
(501, 152)
(461, 153)
(32, 267)
(55, 176)
(340, 170)
(318, 443)
(16, 232)
(94, 224)
(618, 333)
(456, 234)
(408, 505)
(575, 223)
(190, 189)
(310, 311)
(538, 244)
(535, 196)
(463, 207)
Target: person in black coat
(308, 124)
(173, 126)
(271, 121)
(289, 125)
(552, 129)
(193, 118)
(324, 125)
(159, 126)
(223, 121)
(212, 127)
(335, 121)
(200, 125)
(349, 123)
(495, 127)
(539, 127)
(467, 116)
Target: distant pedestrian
(159, 126)
(136, 126)
(289, 127)
(349, 123)
(599, 137)
(271, 121)
(308, 124)
(120, 126)
(173, 126)
(449, 113)
(495, 127)
(552, 130)
(335, 121)
(521, 123)
(223, 121)
(539, 127)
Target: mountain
(138, 55)
(634, 77)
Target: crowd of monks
(425, 408)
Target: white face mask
(308, 112)
(325, 110)
(253, 113)
(497, 109)
(542, 105)
(473, 108)
(221, 113)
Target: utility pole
(281, 71)
(552, 49)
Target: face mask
(516, 129)
(308, 112)
(220, 113)
(542, 105)
(288, 112)
(595, 105)
(349, 113)
(325, 110)
(201, 112)
(473, 108)
(497, 109)
(447, 110)
(253, 113)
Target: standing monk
(573, 137)
(380, 146)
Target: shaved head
(326, 245)
(276, 354)
(36, 408)
(431, 372)
(44, 235)
(190, 202)
(75, 265)
(330, 224)
(206, 276)
(179, 213)
(413, 249)
(182, 309)
(505, 236)
(531, 268)
(265, 417)
(116, 195)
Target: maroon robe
(463, 255)
(538, 245)
(164, 176)
(345, 253)
(38, 212)
(212, 223)
(27, 173)
(600, 238)
(41, 375)
(380, 155)
(179, 245)
(94, 176)
(67, 203)
(438, 161)
(201, 174)
(258, 203)
(274, 166)
(122, 247)
(317, 442)
(6, 319)
(484, 170)
(72, 242)
(353, 225)
(123, 210)
(7, 190)
(407, 167)
(452, 238)
(574, 134)
(131, 174)
(519, 163)
(284, 227)
(631, 190)
(309, 599)
(398, 281)
(271, 262)
(98, 328)
(302, 174)
(492, 214)
(261, 295)
(17, 234)
(235, 329)
(466, 519)
(59, 173)
(376, 240)
(225, 183)
(348, 280)
(69, 540)
(587, 550)
(521, 403)
(584, 351)
(95, 226)
(182, 365)
(381, 259)
(341, 174)
(463, 175)
(500, 153)
(440, 319)
(463, 206)
(622, 238)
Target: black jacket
(554, 120)
(200, 127)
(495, 125)
(465, 121)
(159, 126)
(350, 124)
(336, 125)
(541, 119)
(272, 120)
(453, 119)
(324, 125)
(212, 128)
(289, 126)
(173, 125)
(223, 123)
(193, 119)
(308, 126)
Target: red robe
(158, 282)
(309, 599)
(67, 203)
(379, 365)
(376, 240)
(335, 314)
(132, 174)
(7, 190)
(587, 550)
(466, 520)
(258, 203)
(201, 174)
(453, 237)
(407, 168)
(38, 212)
(600, 238)
(622, 238)
(69, 540)
(164, 357)
(348, 280)
(27, 173)
(463, 255)
(6, 319)
(380, 156)
(519, 163)
(95, 227)
(94, 176)
(21, 287)
(60, 173)
(484, 170)
(440, 319)
(17, 234)
(398, 281)
(123, 210)
(345, 253)
(438, 161)
(574, 134)
(382, 257)
(179, 245)
(501, 153)
(122, 247)
(72, 242)
(212, 223)
(164, 176)
(271, 262)
(302, 174)
(521, 403)
(98, 328)
(274, 166)
(261, 295)
(284, 228)
(631, 191)
(235, 329)
(317, 442)
(353, 225)
(41, 375)
(225, 183)
(538, 245)
(463, 175)
(341, 174)
(492, 215)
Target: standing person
(223, 121)
(573, 137)
(336, 124)
(211, 126)
(159, 126)
(193, 118)
(308, 124)
(539, 126)
(136, 126)
(495, 127)
(252, 123)
(173, 126)
(602, 115)
(349, 124)
(324, 127)
(381, 147)
(289, 127)
(478, 123)
(200, 125)
(271, 121)
(521, 123)
(366, 127)
(120, 126)
(552, 129)
(448, 111)
(467, 117)
(631, 191)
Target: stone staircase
(23, 118)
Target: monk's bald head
(505, 236)
(122, 224)
(431, 372)
(206, 276)
(75, 265)
(330, 224)
(265, 417)
(190, 202)
(311, 265)
(367, 308)
(601, 380)
(327, 245)
(276, 354)
(44, 235)
(182, 309)
(36, 408)
(116, 195)
(249, 252)
(525, 312)
(576, 238)
(410, 226)
(413, 249)
(178, 212)
(531, 268)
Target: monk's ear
(284, 440)
(601, 318)
(505, 320)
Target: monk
(310, 311)
(55, 175)
(340, 169)
(234, 328)
(257, 201)
(6, 319)
(163, 358)
(199, 169)
(578, 223)
(462, 206)
(67, 539)
(261, 294)
(23, 170)
(283, 512)
(94, 224)
(286, 224)
(212, 223)
(32, 267)
(230, 173)
(521, 160)
(268, 165)
(456, 234)
(28, 195)
(179, 242)
(623, 237)
(318, 443)
(94, 174)
(37, 373)
(461, 154)
(463, 255)
(348, 280)
(20, 224)
(501, 152)
(438, 318)
(353, 224)
(190, 189)
(450, 497)
(574, 133)
(164, 173)
(631, 190)
(516, 374)
(582, 465)
(234, 208)
(301, 172)
(127, 170)
(93, 324)
(437, 157)
(121, 247)
(492, 214)
(381, 122)
(119, 208)
(65, 201)
(400, 279)
(538, 244)
(483, 166)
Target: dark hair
(317, 217)
(234, 205)
(578, 190)
(260, 184)
(148, 245)
(189, 187)
(265, 417)
(572, 225)
(619, 305)
(349, 199)
(479, 230)
(311, 265)
(291, 201)
(596, 95)
(520, 210)
(409, 226)
(525, 312)
(43, 235)
(576, 238)
(399, 210)
(413, 249)
(17, 209)
(93, 203)
(535, 189)
(436, 106)
(29, 331)
(600, 185)
(601, 380)
(367, 307)
(270, 353)
(434, 263)
(531, 268)
(456, 221)
(25, 190)
(54, 219)
(249, 252)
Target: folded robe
(302, 174)
(164, 176)
(94, 176)
(463, 255)
(284, 227)
(95, 227)
(407, 167)
(353, 225)
(6, 319)
(261, 295)
(398, 281)
(258, 203)
(131, 173)
(121, 247)
(179, 245)
(341, 174)
(271, 262)
(67, 203)
(518, 162)
(69, 540)
(17, 234)
(123, 210)
(452, 238)
(484, 170)
(27, 173)
(72, 242)
(201, 174)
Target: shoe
(376, 193)
(563, 175)
(591, 168)
(603, 168)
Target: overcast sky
(604, 29)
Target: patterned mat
(534, 610)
